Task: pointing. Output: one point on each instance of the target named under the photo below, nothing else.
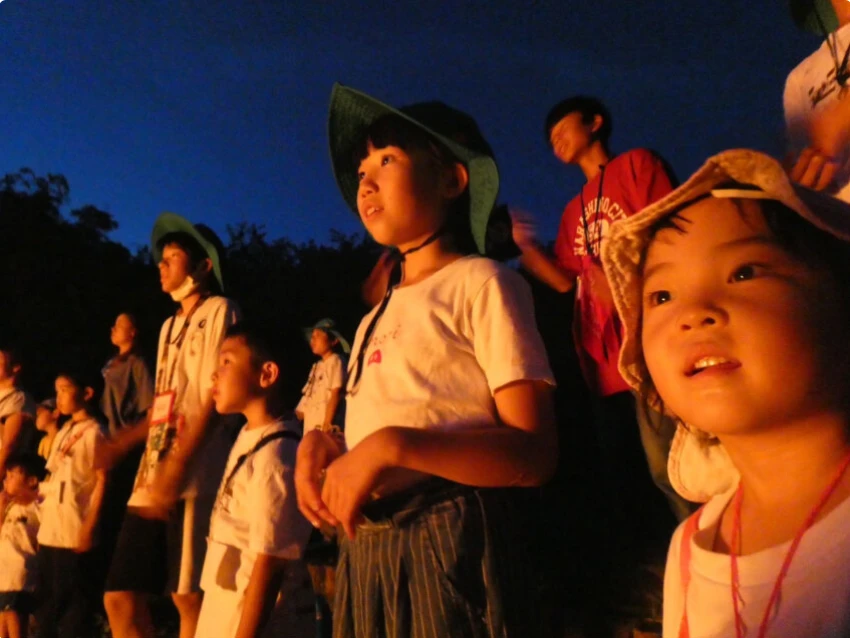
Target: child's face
(735, 329)
(16, 482)
(173, 268)
(321, 342)
(69, 397)
(123, 331)
(44, 417)
(6, 368)
(236, 380)
(570, 137)
(399, 198)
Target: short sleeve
(650, 177)
(225, 315)
(277, 527)
(564, 242)
(335, 372)
(507, 344)
(143, 384)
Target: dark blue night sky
(216, 110)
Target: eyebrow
(752, 240)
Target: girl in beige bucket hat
(733, 290)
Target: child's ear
(456, 180)
(32, 482)
(269, 374)
(597, 123)
(88, 393)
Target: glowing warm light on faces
(123, 332)
(733, 325)
(173, 267)
(69, 397)
(321, 342)
(15, 482)
(399, 198)
(570, 137)
(236, 380)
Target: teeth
(707, 362)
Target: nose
(367, 186)
(701, 315)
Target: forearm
(260, 595)
(95, 503)
(544, 268)
(483, 457)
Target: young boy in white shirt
(254, 581)
(19, 521)
(321, 399)
(162, 539)
(449, 394)
(70, 512)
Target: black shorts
(21, 602)
(154, 556)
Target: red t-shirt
(630, 182)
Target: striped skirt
(449, 561)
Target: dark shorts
(21, 602)
(154, 556)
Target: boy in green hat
(816, 103)
(449, 405)
(162, 541)
(321, 398)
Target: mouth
(371, 210)
(709, 363)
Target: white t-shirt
(256, 512)
(193, 365)
(18, 545)
(16, 401)
(815, 596)
(441, 349)
(325, 375)
(808, 89)
(67, 491)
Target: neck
(327, 354)
(428, 260)
(590, 161)
(257, 414)
(188, 303)
(7, 383)
(80, 415)
(787, 467)
(51, 428)
(842, 11)
(26, 497)
(125, 348)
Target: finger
(830, 167)
(813, 170)
(802, 164)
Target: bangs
(392, 130)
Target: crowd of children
(710, 322)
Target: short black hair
(32, 465)
(83, 377)
(589, 107)
(13, 355)
(196, 252)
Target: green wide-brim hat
(806, 13)
(168, 223)
(351, 114)
(328, 326)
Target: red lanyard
(69, 440)
(786, 564)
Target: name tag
(163, 406)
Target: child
(128, 387)
(46, 421)
(73, 495)
(19, 518)
(448, 393)
(733, 292)
(162, 539)
(17, 409)
(253, 580)
(320, 404)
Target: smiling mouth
(711, 363)
(371, 210)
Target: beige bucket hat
(699, 466)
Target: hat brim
(814, 16)
(624, 248)
(351, 114)
(168, 223)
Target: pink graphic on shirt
(375, 357)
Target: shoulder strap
(268, 438)
(691, 528)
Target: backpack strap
(691, 528)
(268, 438)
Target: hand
(315, 452)
(84, 541)
(813, 169)
(350, 479)
(523, 228)
(829, 130)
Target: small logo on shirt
(375, 357)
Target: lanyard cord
(178, 341)
(587, 241)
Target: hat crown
(451, 123)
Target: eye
(744, 273)
(361, 175)
(386, 159)
(658, 297)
